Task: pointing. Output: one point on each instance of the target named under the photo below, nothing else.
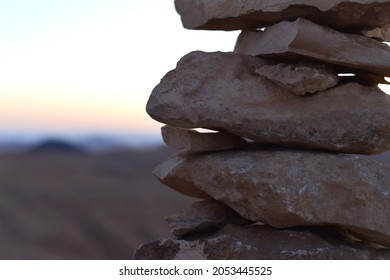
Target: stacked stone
(278, 180)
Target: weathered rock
(204, 216)
(300, 78)
(286, 188)
(220, 91)
(182, 186)
(303, 39)
(258, 243)
(249, 14)
(192, 142)
(383, 158)
(381, 33)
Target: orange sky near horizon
(57, 113)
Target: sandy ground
(61, 205)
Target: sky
(90, 65)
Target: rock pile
(279, 178)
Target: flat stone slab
(287, 188)
(221, 91)
(204, 216)
(303, 39)
(184, 187)
(249, 14)
(192, 142)
(258, 243)
(300, 78)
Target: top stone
(250, 14)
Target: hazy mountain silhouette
(56, 145)
(91, 143)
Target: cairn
(291, 107)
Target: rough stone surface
(303, 39)
(249, 14)
(204, 216)
(300, 78)
(192, 142)
(258, 243)
(221, 91)
(381, 33)
(182, 186)
(286, 188)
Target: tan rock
(204, 216)
(183, 186)
(249, 14)
(287, 188)
(259, 243)
(303, 39)
(300, 78)
(381, 33)
(220, 91)
(192, 142)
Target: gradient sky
(89, 65)
(83, 65)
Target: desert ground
(71, 205)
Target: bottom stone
(261, 243)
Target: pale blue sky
(26, 20)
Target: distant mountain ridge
(93, 143)
(96, 144)
(56, 145)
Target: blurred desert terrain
(68, 204)
(64, 204)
